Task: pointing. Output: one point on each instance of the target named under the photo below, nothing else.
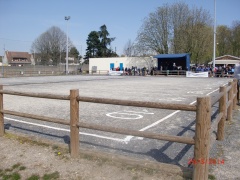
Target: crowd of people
(218, 71)
(135, 71)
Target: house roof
(14, 55)
(227, 57)
(165, 56)
(225, 61)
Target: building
(113, 63)
(13, 58)
(172, 61)
(226, 60)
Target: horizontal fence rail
(36, 95)
(227, 98)
(139, 103)
(183, 107)
(33, 116)
(149, 135)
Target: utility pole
(2, 61)
(214, 37)
(67, 18)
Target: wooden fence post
(222, 109)
(235, 92)
(1, 114)
(74, 120)
(238, 91)
(202, 138)
(230, 107)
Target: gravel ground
(228, 150)
(41, 158)
(46, 159)
(34, 157)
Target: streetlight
(214, 37)
(67, 18)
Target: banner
(198, 74)
(115, 73)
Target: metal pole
(2, 61)
(214, 36)
(67, 51)
(2, 66)
(67, 18)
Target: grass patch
(28, 140)
(211, 177)
(21, 168)
(15, 166)
(13, 176)
(34, 177)
(54, 175)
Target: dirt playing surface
(28, 155)
(40, 158)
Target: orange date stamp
(210, 161)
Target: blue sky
(22, 21)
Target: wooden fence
(227, 98)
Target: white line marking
(139, 112)
(138, 116)
(128, 138)
(212, 91)
(161, 120)
(67, 130)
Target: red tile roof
(13, 56)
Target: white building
(103, 65)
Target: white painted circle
(123, 115)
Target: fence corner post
(74, 120)
(222, 109)
(1, 113)
(235, 90)
(202, 138)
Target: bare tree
(129, 49)
(194, 36)
(177, 29)
(154, 33)
(48, 46)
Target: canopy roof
(170, 56)
(170, 61)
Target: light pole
(67, 18)
(214, 37)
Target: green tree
(223, 39)
(93, 45)
(98, 44)
(105, 41)
(74, 53)
(236, 38)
